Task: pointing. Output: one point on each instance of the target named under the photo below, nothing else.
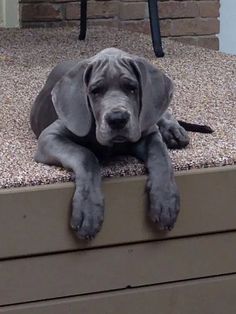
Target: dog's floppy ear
(156, 93)
(70, 100)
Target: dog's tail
(192, 127)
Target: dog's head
(125, 95)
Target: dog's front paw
(174, 135)
(164, 205)
(87, 213)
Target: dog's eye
(131, 88)
(96, 90)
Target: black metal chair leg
(155, 28)
(83, 19)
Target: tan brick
(114, 23)
(165, 26)
(136, 26)
(211, 42)
(143, 26)
(194, 26)
(209, 8)
(72, 11)
(133, 10)
(45, 1)
(41, 12)
(103, 9)
(208, 42)
(190, 40)
(98, 9)
(133, 0)
(176, 9)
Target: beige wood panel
(205, 296)
(90, 271)
(35, 220)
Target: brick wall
(192, 21)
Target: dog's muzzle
(117, 119)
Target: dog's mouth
(119, 139)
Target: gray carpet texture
(205, 92)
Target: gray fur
(78, 118)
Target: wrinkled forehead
(111, 69)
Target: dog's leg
(56, 148)
(163, 191)
(172, 133)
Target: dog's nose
(117, 119)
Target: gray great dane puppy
(112, 103)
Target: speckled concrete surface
(205, 93)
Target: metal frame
(154, 24)
(83, 19)
(155, 28)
